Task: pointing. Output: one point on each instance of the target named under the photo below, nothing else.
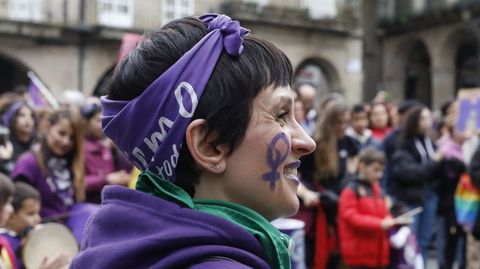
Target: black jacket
(474, 172)
(474, 168)
(411, 178)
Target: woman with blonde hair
(333, 147)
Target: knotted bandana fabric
(10, 113)
(150, 128)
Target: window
(115, 13)
(25, 10)
(318, 9)
(123, 9)
(106, 7)
(174, 9)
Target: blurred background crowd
(425, 158)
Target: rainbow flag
(467, 202)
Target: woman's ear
(208, 157)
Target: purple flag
(36, 95)
(150, 128)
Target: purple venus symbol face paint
(276, 157)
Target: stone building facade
(73, 44)
(430, 48)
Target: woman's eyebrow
(285, 99)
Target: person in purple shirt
(55, 168)
(206, 112)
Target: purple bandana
(11, 112)
(150, 128)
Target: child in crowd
(379, 121)
(26, 208)
(359, 127)
(404, 249)
(363, 215)
(7, 256)
(25, 215)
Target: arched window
(418, 74)
(320, 74)
(13, 75)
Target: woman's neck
(208, 188)
(23, 137)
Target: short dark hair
(24, 191)
(6, 189)
(227, 101)
(358, 108)
(406, 105)
(370, 155)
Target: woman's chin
(292, 208)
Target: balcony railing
(144, 14)
(406, 11)
(124, 14)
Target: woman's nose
(66, 140)
(302, 143)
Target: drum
(295, 229)
(48, 240)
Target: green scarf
(274, 243)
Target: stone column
(443, 84)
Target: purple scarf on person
(150, 129)
(10, 113)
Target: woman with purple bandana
(19, 118)
(206, 113)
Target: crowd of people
(415, 158)
(56, 163)
(219, 150)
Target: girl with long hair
(416, 170)
(333, 159)
(55, 168)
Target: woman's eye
(282, 115)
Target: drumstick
(410, 213)
(65, 215)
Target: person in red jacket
(363, 215)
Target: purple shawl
(133, 229)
